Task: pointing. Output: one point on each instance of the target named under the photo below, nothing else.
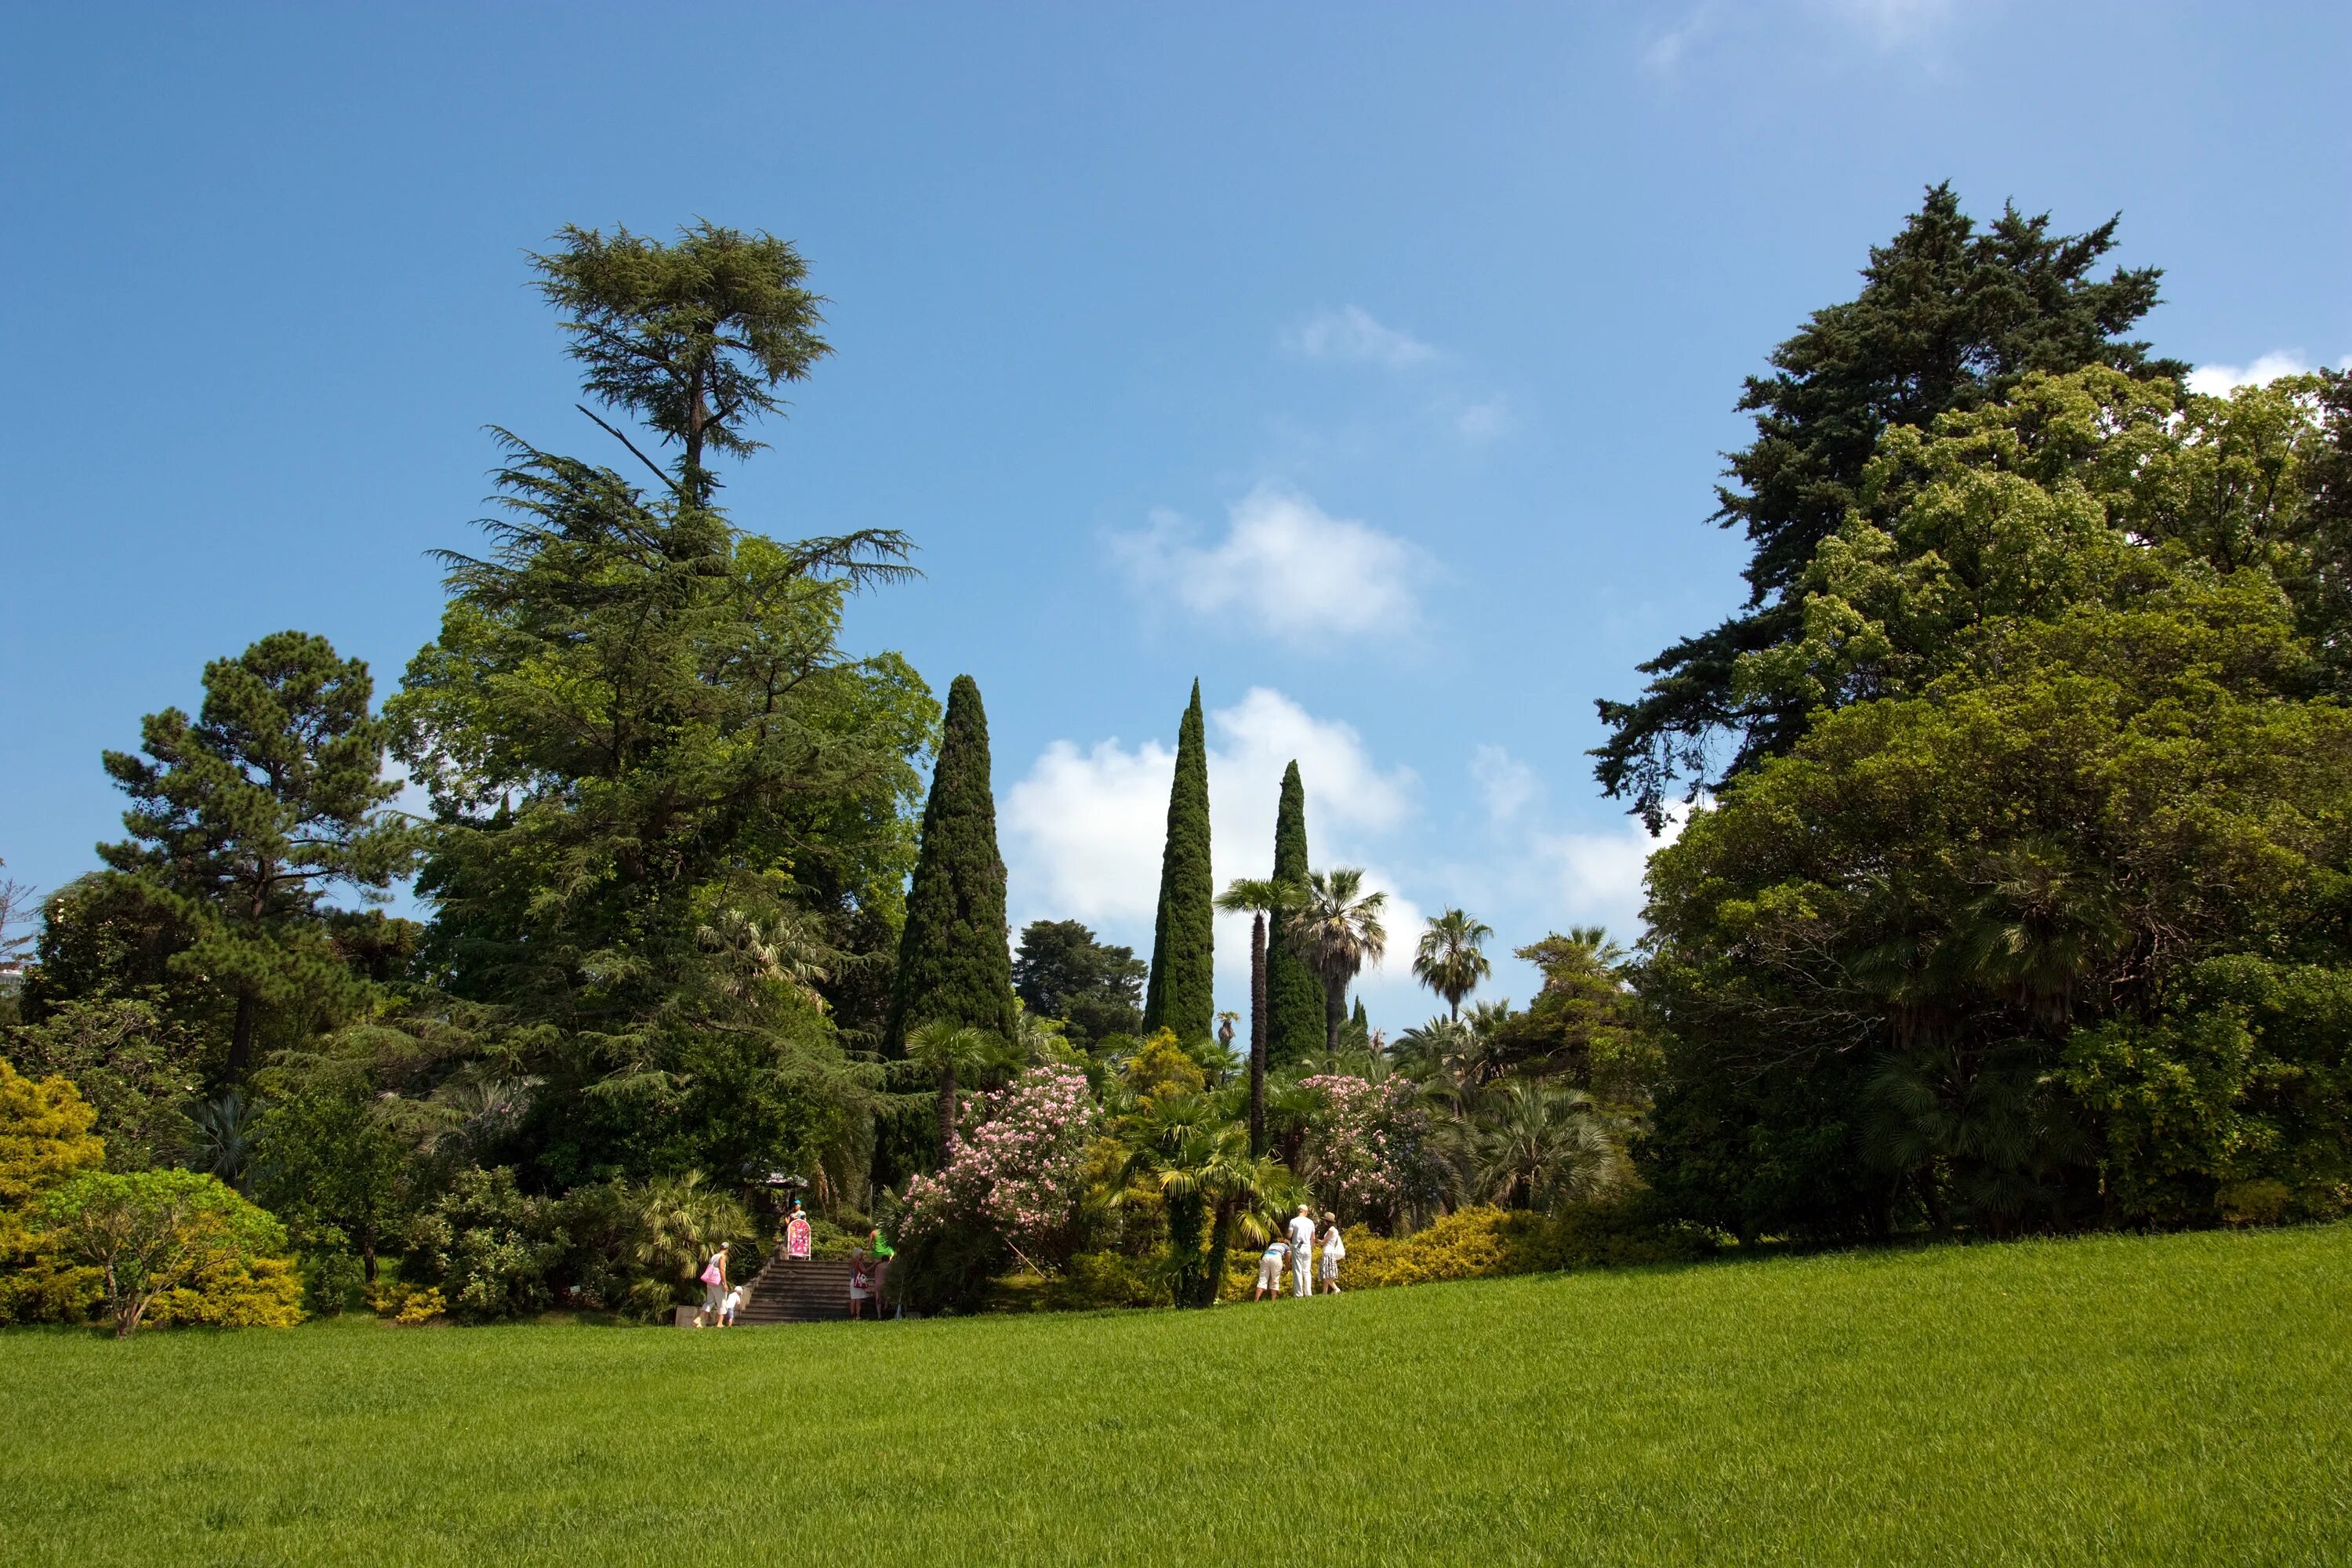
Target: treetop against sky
(1376, 372)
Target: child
(861, 1286)
(1269, 1268)
(726, 1307)
(1334, 1250)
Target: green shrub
(489, 1249)
(329, 1280)
(1091, 1281)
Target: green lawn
(2117, 1399)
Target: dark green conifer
(1294, 994)
(955, 956)
(1183, 991)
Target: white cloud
(1891, 24)
(1351, 335)
(1597, 877)
(1288, 566)
(2218, 380)
(1083, 829)
(1669, 48)
(1487, 420)
(1507, 784)
(1888, 25)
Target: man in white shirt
(1302, 1251)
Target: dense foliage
(1093, 988)
(2025, 902)
(1183, 991)
(1950, 317)
(2044, 922)
(1294, 994)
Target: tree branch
(632, 446)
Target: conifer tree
(955, 956)
(243, 816)
(1181, 996)
(1294, 994)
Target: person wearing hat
(1334, 1250)
(1302, 1251)
(714, 1287)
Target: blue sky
(1369, 363)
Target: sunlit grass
(2115, 1399)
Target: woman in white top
(1334, 1250)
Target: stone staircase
(801, 1290)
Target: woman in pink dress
(796, 1235)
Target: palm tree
(787, 950)
(1183, 1148)
(1539, 1143)
(950, 1050)
(1336, 931)
(683, 1221)
(227, 1131)
(1261, 897)
(1449, 960)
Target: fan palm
(1450, 961)
(1183, 1148)
(1538, 1144)
(950, 1052)
(787, 950)
(683, 1221)
(1335, 932)
(1263, 898)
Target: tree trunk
(1220, 1240)
(947, 1113)
(1335, 1014)
(1185, 1216)
(1257, 1037)
(240, 1040)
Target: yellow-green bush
(233, 1292)
(1481, 1243)
(175, 1246)
(45, 1141)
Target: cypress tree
(1183, 991)
(1294, 994)
(955, 956)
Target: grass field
(2179, 1399)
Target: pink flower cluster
(1367, 1153)
(1020, 1170)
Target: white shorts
(1269, 1274)
(713, 1298)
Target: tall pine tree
(242, 817)
(1183, 991)
(955, 956)
(1952, 314)
(1294, 994)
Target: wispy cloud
(1891, 24)
(1351, 335)
(1507, 784)
(1886, 24)
(1287, 566)
(1487, 420)
(2218, 380)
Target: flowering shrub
(1019, 1173)
(1368, 1153)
